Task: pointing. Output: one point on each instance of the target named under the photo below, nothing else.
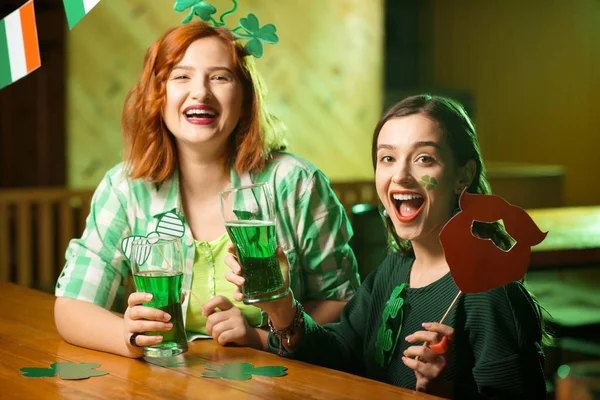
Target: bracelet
(287, 333)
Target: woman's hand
(226, 324)
(139, 319)
(281, 311)
(427, 363)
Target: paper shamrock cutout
(200, 8)
(253, 32)
(240, 371)
(478, 265)
(169, 226)
(428, 182)
(65, 370)
(385, 342)
(256, 34)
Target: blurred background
(528, 73)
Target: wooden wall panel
(533, 68)
(324, 78)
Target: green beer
(256, 245)
(165, 288)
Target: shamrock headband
(251, 28)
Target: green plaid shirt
(312, 228)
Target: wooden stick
(445, 315)
(451, 305)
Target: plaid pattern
(312, 228)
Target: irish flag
(77, 9)
(19, 49)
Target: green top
(208, 279)
(497, 345)
(312, 228)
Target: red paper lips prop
(478, 265)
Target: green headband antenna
(250, 25)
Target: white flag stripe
(16, 47)
(89, 4)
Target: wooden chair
(36, 226)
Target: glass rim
(252, 186)
(143, 242)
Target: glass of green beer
(157, 266)
(249, 216)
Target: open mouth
(407, 205)
(200, 116)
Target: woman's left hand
(427, 364)
(226, 324)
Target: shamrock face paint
(477, 265)
(428, 182)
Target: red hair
(150, 150)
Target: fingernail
(426, 324)
(166, 317)
(148, 297)
(169, 326)
(408, 338)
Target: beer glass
(249, 216)
(157, 266)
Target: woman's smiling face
(416, 176)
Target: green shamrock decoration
(428, 182)
(253, 32)
(65, 370)
(394, 304)
(384, 342)
(239, 371)
(201, 8)
(256, 34)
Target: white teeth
(200, 113)
(398, 196)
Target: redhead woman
(195, 125)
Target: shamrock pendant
(386, 342)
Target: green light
(361, 208)
(563, 371)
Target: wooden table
(28, 338)
(573, 237)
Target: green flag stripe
(74, 10)
(5, 77)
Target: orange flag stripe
(30, 38)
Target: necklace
(385, 344)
